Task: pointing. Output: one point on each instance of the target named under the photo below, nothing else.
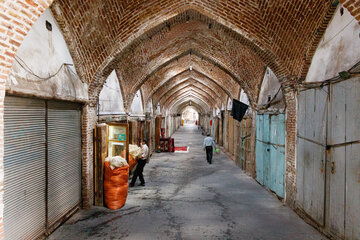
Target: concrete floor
(185, 198)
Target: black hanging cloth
(238, 110)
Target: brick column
(290, 143)
(220, 130)
(88, 125)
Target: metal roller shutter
(24, 168)
(64, 159)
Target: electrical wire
(312, 85)
(268, 104)
(28, 69)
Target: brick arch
(222, 46)
(251, 72)
(157, 92)
(186, 84)
(193, 99)
(190, 84)
(249, 79)
(187, 95)
(293, 36)
(180, 108)
(166, 101)
(178, 65)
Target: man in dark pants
(141, 164)
(208, 146)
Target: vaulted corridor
(186, 198)
(90, 90)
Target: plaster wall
(158, 109)
(270, 89)
(149, 107)
(137, 104)
(224, 120)
(229, 104)
(43, 53)
(217, 112)
(339, 48)
(110, 99)
(244, 98)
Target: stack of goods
(116, 176)
(134, 153)
(171, 145)
(167, 145)
(135, 150)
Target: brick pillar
(88, 125)
(220, 130)
(290, 145)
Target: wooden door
(311, 150)
(277, 154)
(237, 143)
(270, 151)
(231, 135)
(343, 154)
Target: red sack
(116, 183)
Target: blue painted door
(270, 151)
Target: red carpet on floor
(181, 149)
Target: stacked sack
(134, 153)
(116, 177)
(135, 150)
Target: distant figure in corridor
(141, 164)
(208, 146)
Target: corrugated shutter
(64, 159)
(24, 168)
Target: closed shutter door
(64, 159)
(24, 168)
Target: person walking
(208, 145)
(141, 164)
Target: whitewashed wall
(269, 87)
(137, 104)
(110, 99)
(338, 50)
(43, 53)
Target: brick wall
(179, 108)
(272, 29)
(353, 6)
(175, 94)
(214, 88)
(202, 70)
(290, 144)
(202, 89)
(89, 119)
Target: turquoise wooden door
(270, 151)
(277, 154)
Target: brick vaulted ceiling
(227, 44)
